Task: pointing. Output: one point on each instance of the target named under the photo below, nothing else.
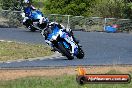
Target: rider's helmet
(44, 22)
(26, 1)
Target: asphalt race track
(100, 48)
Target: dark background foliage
(102, 8)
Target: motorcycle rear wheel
(32, 29)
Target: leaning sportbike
(63, 42)
(35, 18)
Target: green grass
(65, 81)
(14, 50)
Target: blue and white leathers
(37, 18)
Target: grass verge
(64, 80)
(14, 51)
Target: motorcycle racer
(28, 18)
(48, 29)
(27, 10)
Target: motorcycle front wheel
(80, 54)
(65, 52)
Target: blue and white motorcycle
(64, 43)
(35, 19)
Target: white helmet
(26, 1)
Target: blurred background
(84, 15)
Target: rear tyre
(32, 29)
(65, 52)
(29, 25)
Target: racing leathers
(27, 21)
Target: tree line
(102, 8)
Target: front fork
(73, 45)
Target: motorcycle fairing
(36, 15)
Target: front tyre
(80, 54)
(65, 52)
